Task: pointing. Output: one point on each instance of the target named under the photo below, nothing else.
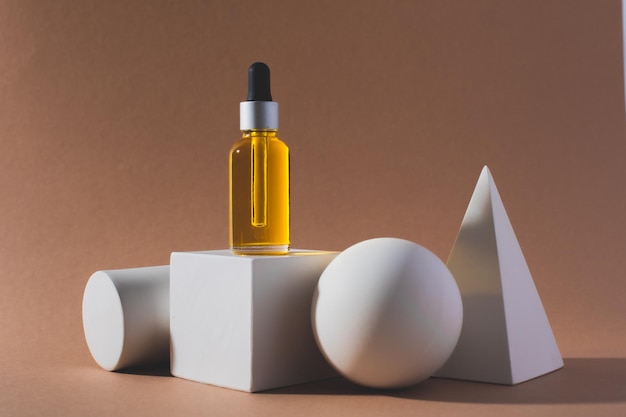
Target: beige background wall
(116, 119)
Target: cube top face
(229, 254)
(244, 322)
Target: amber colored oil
(259, 194)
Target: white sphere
(387, 313)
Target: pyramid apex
(486, 172)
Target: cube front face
(244, 322)
(210, 318)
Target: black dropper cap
(259, 111)
(259, 82)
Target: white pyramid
(506, 337)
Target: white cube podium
(244, 322)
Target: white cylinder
(126, 316)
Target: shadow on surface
(334, 386)
(159, 369)
(581, 380)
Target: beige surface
(116, 119)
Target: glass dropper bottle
(259, 174)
